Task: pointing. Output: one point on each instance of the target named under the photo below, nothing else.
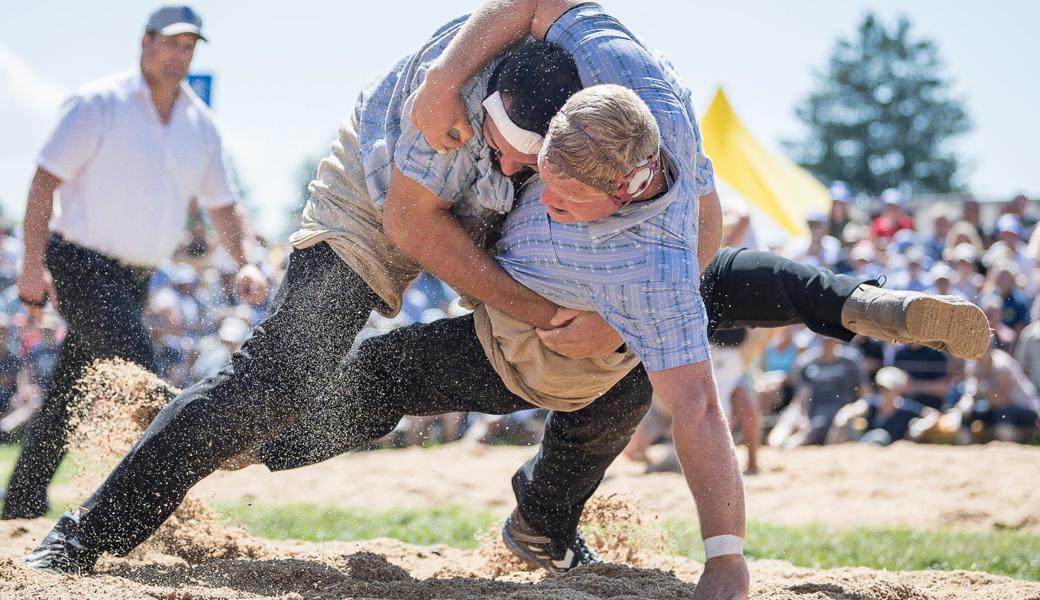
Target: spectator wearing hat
(863, 259)
(966, 280)
(880, 418)
(1009, 246)
(1002, 283)
(893, 216)
(942, 276)
(916, 277)
(1018, 207)
(821, 250)
(936, 243)
(841, 195)
(129, 154)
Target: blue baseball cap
(174, 20)
(840, 191)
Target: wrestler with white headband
(631, 184)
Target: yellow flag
(778, 188)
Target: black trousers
(745, 288)
(102, 301)
(276, 396)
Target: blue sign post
(202, 83)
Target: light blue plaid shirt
(466, 177)
(638, 268)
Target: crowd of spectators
(815, 390)
(803, 388)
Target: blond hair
(599, 135)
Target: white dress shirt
(128, 178)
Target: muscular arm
(34, 282)
(230, 223)
(38, 210)
(492, 29)
(421, 225)
(709, 463)
(709, 228)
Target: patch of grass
(451, 525)
(66, 472)
(9, 455)
(1014, 554)
(814, 546)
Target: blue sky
(286, 73)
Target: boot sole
(960, 325)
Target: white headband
(527, 142)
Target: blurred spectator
(1027, 350)
(972, 216)
(935, 244)
(893, 216)
(966, 280)
(775, 385)
(1009, 246)
(10, 257)
(828, 379)
(820, 250)
(942, 281)
(1004, 337)
(841, 195)
(1002, 283)
(962, 233)
(928, 373)
(998, 400)
(1018, 207)
(863, 259)
(880, 418)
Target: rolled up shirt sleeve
(665, 324)
(447, 176)
(605, 52)
(75, 140)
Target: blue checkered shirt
(466, 177)
(636, 268)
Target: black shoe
(538, 550)
(61, 552)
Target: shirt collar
(637, 213)
(136, 84)
(139, 87)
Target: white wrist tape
(721, 545)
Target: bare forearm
(493, 28)
(230, 223)
(38, 210)
(709, 233)
(709, 462)
(446, 250)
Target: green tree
(883, 114)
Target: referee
(129, 154)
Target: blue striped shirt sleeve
(663, 323)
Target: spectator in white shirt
(129, 153)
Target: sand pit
(392, 570)
(923, 487)
(195, 556)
